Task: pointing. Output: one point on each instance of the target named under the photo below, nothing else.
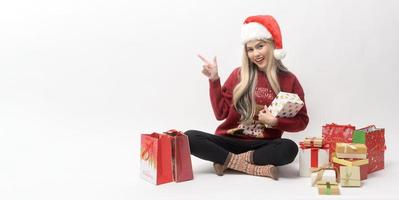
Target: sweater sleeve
(222, 97)
(301, 119)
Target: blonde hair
(243, 93)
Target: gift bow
(347, 177)
(310, 141)
(147, 146)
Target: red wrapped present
(334, 133)
(374, 139)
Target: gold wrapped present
(349, 176)
(327, 188)
(313, 142)
(347, 150)
(363, 164)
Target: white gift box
(312, 157)
(285, 105)
(328, 175)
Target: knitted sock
(248, 156)
(219, 168)
(239, 163)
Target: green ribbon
(359, 137)
(328, 189)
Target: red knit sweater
(222, 103)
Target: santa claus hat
(263, 27)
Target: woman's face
(258, 51)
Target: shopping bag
(156, 158)
(181, 156)
(374, 139)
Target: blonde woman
(249, 140)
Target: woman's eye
(250, 50)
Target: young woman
(249, 140)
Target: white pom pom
(279, 53)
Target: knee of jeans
(192, 136)
(290, 148)
(191, 133)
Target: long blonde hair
(243, 93)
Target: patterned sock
(248, 156)
(219, 168)
(239, 163)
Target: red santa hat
(263, 27)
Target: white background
(80, 80)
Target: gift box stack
(351, 155)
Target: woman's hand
(266, 117)
(210, 69)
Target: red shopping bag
(181, 156)
(156, 158)
(334, 133)
(374, 139)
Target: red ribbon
(314, 157)
(148, 145)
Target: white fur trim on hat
(279, 53)
(254, 31)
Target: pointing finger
(202, 58)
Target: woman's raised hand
(210, 69)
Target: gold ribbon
(347, 177)
(346, 145)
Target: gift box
(374, 139)
(328, 188)
(349, 176)
(334, 133)
(285, 105)
(353, 151)
(363, 165)
(326, 174)
(311, 158)
(313, 142)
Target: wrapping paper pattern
(286, 105)
(334, 133)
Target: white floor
(90, 166)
